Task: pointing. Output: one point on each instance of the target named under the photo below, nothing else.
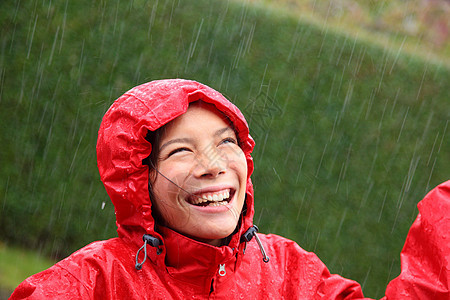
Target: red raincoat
(174, 266)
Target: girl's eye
(228, 140)
(181, 149)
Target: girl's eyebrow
(220, 131)
(181, 140)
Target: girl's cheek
(234, 152)
(238, 163)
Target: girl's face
(200, 190)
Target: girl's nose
(210, 164)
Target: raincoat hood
(122, 146)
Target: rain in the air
(346, 103)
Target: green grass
(16, 264)
(383, 23)
(350, 136)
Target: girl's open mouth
(218, 198)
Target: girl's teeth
(217, 203)
(212, 197)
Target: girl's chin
(214, 239)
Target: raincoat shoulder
(100, 270)
(293, 273)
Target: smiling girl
(175, 159)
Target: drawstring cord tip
(248, 235)
(152, 241)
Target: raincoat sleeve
(425, 258)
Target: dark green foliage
(349, 136)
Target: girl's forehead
(199, 114)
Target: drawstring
(155, 242)
(248, 235)
(152, 241)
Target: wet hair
(154, 138)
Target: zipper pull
(222, 270)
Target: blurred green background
(351, 133)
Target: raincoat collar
(195, 262)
